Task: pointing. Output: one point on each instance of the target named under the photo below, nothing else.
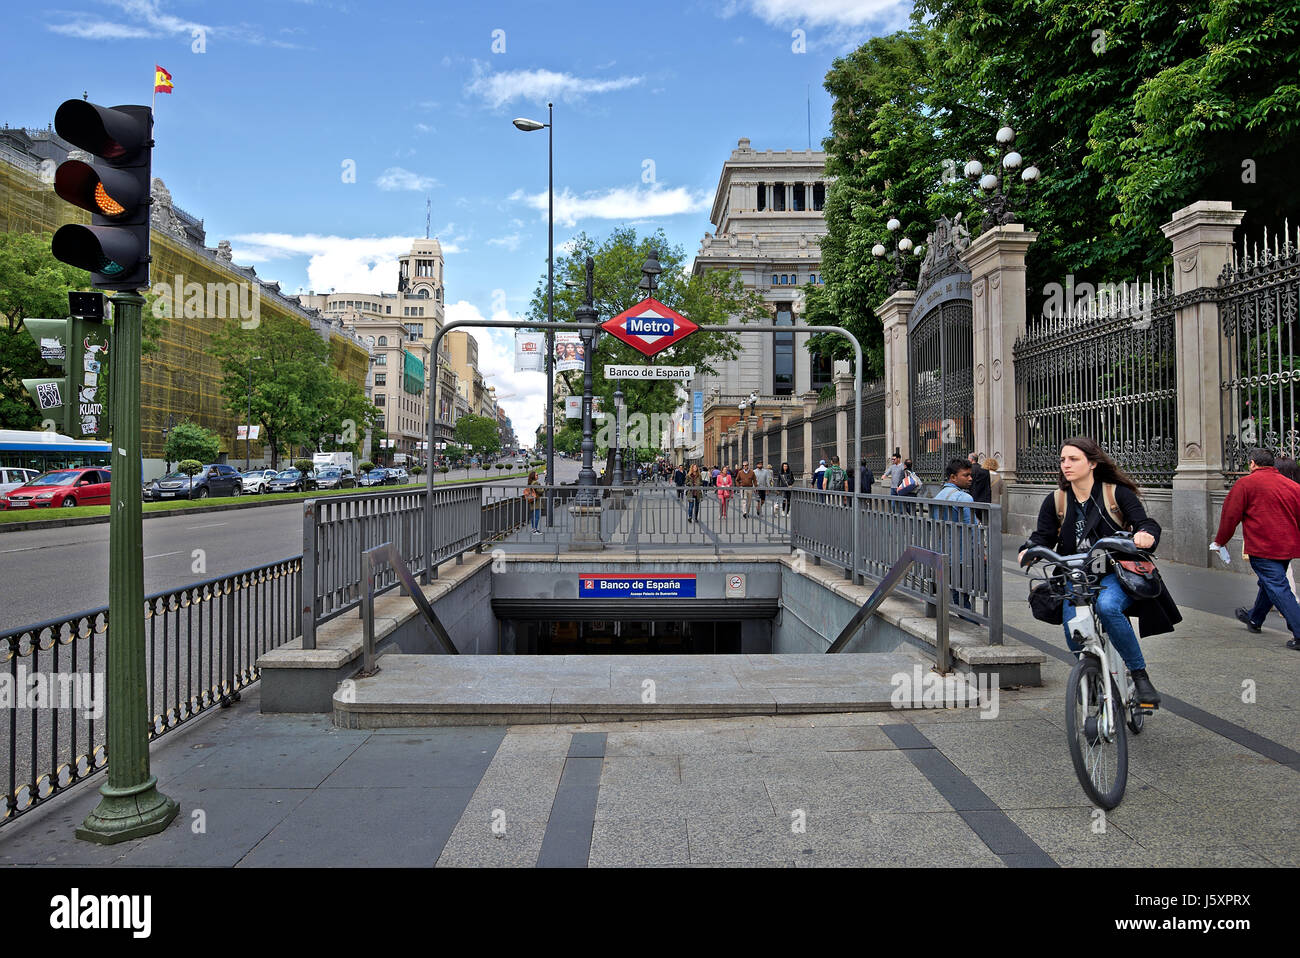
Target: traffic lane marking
(210, 525)
(163, 555)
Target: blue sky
(276, 101)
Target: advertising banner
(530, 352)
(568, 352)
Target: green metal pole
(131, 805)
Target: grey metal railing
(336, 530)
(202, 643)
(374, 563)
(888, 525)
(911, 556)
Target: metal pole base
(586, 529)
(126, 813)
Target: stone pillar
(751, 426)
(998, 313)
(844, 400)
(809, 460)
(1202, 244)
(893, 314)
(785, 437)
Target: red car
(61, 487)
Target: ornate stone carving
(223, 250)
(997, 370)
(995, 281)
(1193, 451)
(979, 374)
(943, 247)
(1187, 262)
(161, 215)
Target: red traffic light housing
(115, 189)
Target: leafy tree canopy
(188, 440)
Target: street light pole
(586, 313)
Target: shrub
(365, 465)
(303, 465)
(501, 465)
(189, 466)
(417, 470)
(443, 469)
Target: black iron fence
(201, 648)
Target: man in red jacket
(1267, 506)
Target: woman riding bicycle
(1085, 471)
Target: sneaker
(1145, 692)
(1244, 616)
(1293, 644)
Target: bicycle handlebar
(1119, 542)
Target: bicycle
(1091, 705)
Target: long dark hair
(1287, 466)
(1106, 471)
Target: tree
(716, 296)
(189, 467)
(187, 440)
(479, 432)
(290, 370)
(342, 415)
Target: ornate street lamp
(586, 313)
(898, 256)
(999, 207)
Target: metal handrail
(911, 555)
(373, 560)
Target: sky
(311, 133)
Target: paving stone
(730, 837)
(623, 843)
(648, 740)
(392, 761)
(772, 767)
(659, 769)
(668, 802)
(474, 844)
(838, 739)
(852, 796)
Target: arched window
(383, 340)
(370, 340)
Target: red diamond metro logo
(650, 326)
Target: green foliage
(304, 466)
(365, 465)
(715, 297)
(479, 432)
(189, 466)
(417, 470)
(189, 441)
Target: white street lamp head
(920, 250)
(527, 125)
(893, 224)
(1006, 135)
(988, 182)
(878, 250)
(1030, 174)
(905, 244)
(1012, 160)
(974, 168)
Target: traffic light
(76, 400)
(115, 247)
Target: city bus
(44, 451)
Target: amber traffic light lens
(107, 205)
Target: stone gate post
(893, 313)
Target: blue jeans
(1111, 605)
(1274, 590)
(692, 508)
(537, 515)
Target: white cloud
(424, 128)
(619, 203)
(539, 86)
(395, 178)
(818, 13)
(348, 264)
(521, 395)
(510, 242)
(101, 30)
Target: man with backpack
(834, 478)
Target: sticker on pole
(650, 326)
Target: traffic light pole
(131, 805)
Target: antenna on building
(428, 215)
(808, 89)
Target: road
(47, 573)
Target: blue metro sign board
(596, 586)
(650, 326)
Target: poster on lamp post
(568, 352)
(530, 352)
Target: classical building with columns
(768, 215)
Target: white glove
(1223, 552)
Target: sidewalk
(1213, 779)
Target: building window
(819, 196)
(388, 309)
(379, 399)
(775, 279)
(783, 353)
(381, 359)
(383, 340)
(414, 330)
(424, 267)
(822, 369)
(762, 197)
(381, 379)
(778, 197)
(798, 205)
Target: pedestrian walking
(746, 480)
(1288, 467)
(833, 478)
(957, 531)
(819, 474)
(894, 473)
(762, 482)
(679, 480)
(693, 494)
(533, 493)
(1094, 499)
(995, 481)
(724, 484)
(785, 479)
(980, 489)
(866, 478)
(1266, 505)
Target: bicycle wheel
(1101, 765)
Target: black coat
(867, 479)
(1155, 616)
(980, 484)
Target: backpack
(1112, 506)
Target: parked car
(11, 479)
(256, 480)
(332, 478)
(291, 480)
(378, 477)
(212, 480)
(399, 475)
(62, 487)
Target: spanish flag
(162, 80)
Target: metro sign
(650, 326)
